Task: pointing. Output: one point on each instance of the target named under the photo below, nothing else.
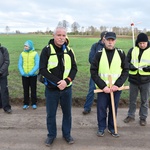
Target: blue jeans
(144, 95)
(90, 96)
(4, 94)
(53, 97)
(104, 103)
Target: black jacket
(95, 66)
(4, 61)
(57, 72)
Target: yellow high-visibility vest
(28, 60)
(144, 61)
(115, 67)
(53, 62)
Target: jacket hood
(29, 43)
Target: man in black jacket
(58, 66)
(139, 78)
(108, 61)
(4, 93)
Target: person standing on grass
(108, 61)
(90, 96)
(139, 78)
(28, 65)
(58, 66)
(4, 93)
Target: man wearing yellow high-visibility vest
(139, 78)
(108, 61)
(59, 68)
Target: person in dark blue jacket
(90, 96)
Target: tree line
(76, 29)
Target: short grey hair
(59, 27)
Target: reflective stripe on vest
(144, 61)
(53, 62)
(28, 60)
(105, 70)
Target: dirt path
(26, 130)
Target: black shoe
(69, 140)
(112, 132)
(128, 119)
(85, 112)
(100, 133)
(8, 111)
(95, 100)
(143, 122)
(49, 141)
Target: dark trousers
(103, 107)
(29, 82)
(53, 98)
(4, 94)
(90, 96)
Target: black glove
(0, 74)
(146, 69)
(132, 67)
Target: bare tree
(82, 30)
(63, 23)
(18, 32)
(144, 30)
(47, 30)
(92, 30)
(75, 26)
(103, 28)
(7, 29)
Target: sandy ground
(26, 130)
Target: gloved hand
(0, 74)
(132, 67)
(146, 69)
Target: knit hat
(142, 37)
(103, 34)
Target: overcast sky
(33, 15)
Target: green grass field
(81, 47)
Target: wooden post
(112, 104)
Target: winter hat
(103, 34)
(142, 37)
(29, 43)
(110, 35)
